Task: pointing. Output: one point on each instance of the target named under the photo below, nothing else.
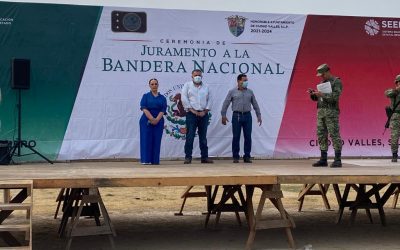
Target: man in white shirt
(196, 100)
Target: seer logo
(372, 27)
(128, 21)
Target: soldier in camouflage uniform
(394, 96)
(328, 117)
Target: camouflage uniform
(328, 121)
(328, 116)
(394, 96)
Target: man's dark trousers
(194, 122)
(241, 120)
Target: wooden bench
(308, 190)
(232, 193)
(275, 195)
(395, 198)
(362, 200)
(187, 194)
(85, 202)
(12, 204)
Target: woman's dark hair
(152, 80)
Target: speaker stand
(19, 143)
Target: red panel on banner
(365, 53)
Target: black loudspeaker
(20, 73)
(5, 150)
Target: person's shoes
(247, 160)
(187, 161)
(320, 163)
(209, 161)
(323, 161)
(235, 160)
(337, 163)
(394, 157)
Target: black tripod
(19, 143)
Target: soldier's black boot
(323, 161)
(337, 162)
(394, 157)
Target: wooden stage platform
(368, 178)
(222, 172)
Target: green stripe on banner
(57, 39)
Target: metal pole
(19, 123)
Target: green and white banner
(57, 39)
(90, 66)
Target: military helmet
(322, 69)
(397, 79)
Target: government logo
(236, 24)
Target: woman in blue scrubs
(154, 106)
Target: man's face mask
(197, 79)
